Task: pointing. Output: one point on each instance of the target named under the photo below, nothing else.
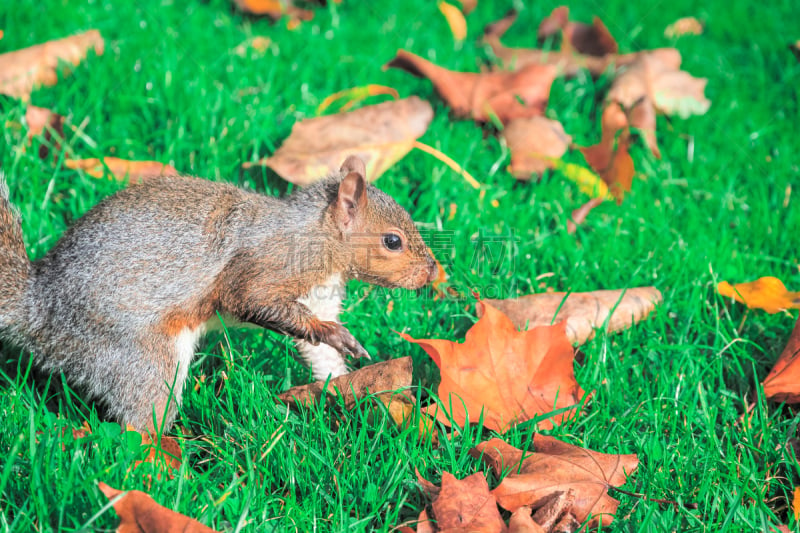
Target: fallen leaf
(521, 521)
(385, 376)
(465, 505)
(504, 375)
(610, 158)
(163, 450)
(468, 6)
(556, 466)
(590, 39)
(121, 169)
(455, 19)
(21, 71)
(47, 123)
(796, 503)
(482, 96)
(581, 312)
(529, 139)
(139, 513)
(654, 82)
(379, 134)
(587, 181)
(275, 9)
(782, 384)
(684, 26)
(767, 293)
(566, 61)
(355, 95)
(579, 215)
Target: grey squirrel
(120, 302)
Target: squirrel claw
(340, 338)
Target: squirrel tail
(15, 268)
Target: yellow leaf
(455, 19)
(588, 182)
(767, 293)
(401, 409)
(355, 95)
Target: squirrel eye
(392, 242)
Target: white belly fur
(325, 301)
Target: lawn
(681, 389)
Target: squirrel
(120, 302)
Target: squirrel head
(378, 241)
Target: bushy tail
(14, 264)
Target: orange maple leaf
(508, 375)
(767, 293)
(782, 384)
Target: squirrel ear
(352, 199)
(354, 164)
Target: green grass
(672, 389)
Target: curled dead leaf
(556, 466)
(389, 375)
(21, 71)
(590, 39)
(504, 375)
(582, 312)
(379, 134)
(481, 96)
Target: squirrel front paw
(339, 337)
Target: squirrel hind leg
(325, 301)
(150, 386)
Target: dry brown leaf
(121, 169)
(464, 505)
(481, 96)
(529, 139)
(21, 71)
(767, 293)
(162, 451)
(556, 466)
(381, 377)
(654, 82)
(582, 312)
(782, 384)
(567, 62)
(504, 375)
(275, 9)
(139, 513)
(684, 26)
(611, 158)
(45, 122)
(590, 39)
(379, 134)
